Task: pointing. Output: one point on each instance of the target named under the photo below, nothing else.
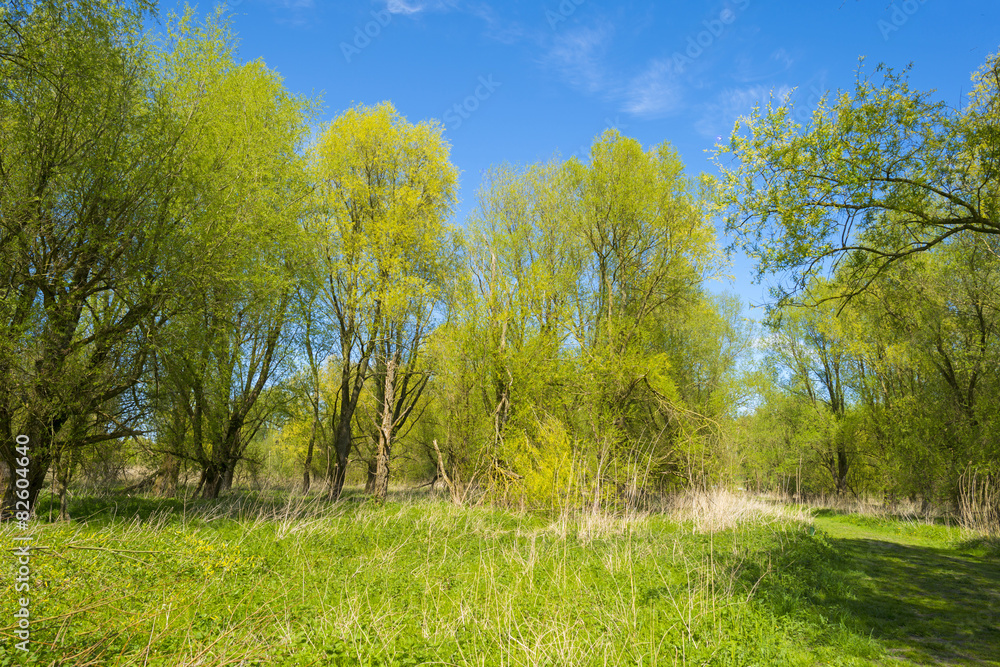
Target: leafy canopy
(877, 175)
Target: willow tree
(244, 196)
(878, 174)
(87, 234)
(576, 272)
(649, 246)
(927, 345)
(809, 352)
(384, 188)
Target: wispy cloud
(747, 69)
(292, 12)
(783, 57)
(578, 56)
(408, 7)
(717, 118)
(653, 92)
(501, 30)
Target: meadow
(272, 578)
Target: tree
(559, 358)
(245, 191)
(649, 247)
(399, 379)
(87, 158)
(880, 174)
(384, 188)
(808, 349)
(926, 341)
(313, 333)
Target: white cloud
(292, 5)
(782, 56)
(411, 7)
(747, 70)
(502, 31)
(656, 91)
(404, 7)
(578, 56)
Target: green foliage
(905, 372)
(87, 235)
(385, 188)
(242, 200)
(880, 173)
(542, 468)
(583, 301)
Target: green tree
(87, 234)
(926, 340)
(879, 174)
(808, 352)
(577, 277)
(384, 188)
(244, 195)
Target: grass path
(928, 601)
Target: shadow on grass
(236, 504)
(89, 508)
(928, 606)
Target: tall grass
(979, 501)
(720, 509)
(272, 579)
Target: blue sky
(520, 82)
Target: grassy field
(272, 580)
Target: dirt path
(931, 606)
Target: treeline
(195, 278)
(881, 370)
(896, 393)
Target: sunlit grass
(273, 579)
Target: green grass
(265, 580)
(930, 594)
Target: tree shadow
(929, 606)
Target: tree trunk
(385, 430)
(343, 450)
(63, 501)
(63, 473)
(370, 479)
(212, 481)
(842, 467)
(306, 482)
(227, 476)
(40, 458)
(306, 469)
(167, 477)
(350, 392)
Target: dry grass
(714, 510)
(979, 501)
